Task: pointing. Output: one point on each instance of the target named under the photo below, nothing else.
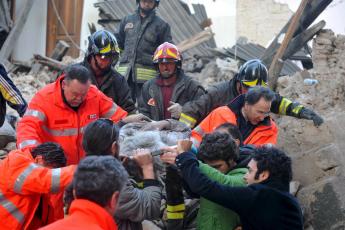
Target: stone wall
(319, 153)
(260, 20)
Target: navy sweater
(264, 206)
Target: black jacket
(264, 206)
(223, 93)
(114, 86)
(186, 89)
(139, 38)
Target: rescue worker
(103, 52)
(26, 180)
(138, 36)
(10, 94)
(163, 97)
(250, 112)
(264, 204)
(135, 204)
(97, 184)
(250, 74)
(60, 112)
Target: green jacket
(211, 215)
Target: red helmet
(167, 52)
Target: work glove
(311, 115)
(136, 118)
(175, 109)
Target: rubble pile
(318, 153)
(216, 70)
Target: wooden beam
(60, 50)
(277, 63)
(314, 9)
(49, 62)
(12, 37)
(195, 40)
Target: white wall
(222, 13)
(90, 15)
(32, 40)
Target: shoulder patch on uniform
(151, 102)
(129, 25)
(92, 116)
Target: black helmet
(156, 1)
(252, 73)
(103, 42)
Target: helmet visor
(254, 83)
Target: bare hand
(170, 154)
(184, 146)
(136, 118)
(143, 157)
(156, 125)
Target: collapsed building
(317, 153)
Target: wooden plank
(195, 40)
(277, 63)
(12, 37)
(60, 50)
(314, 9)
(49, 62)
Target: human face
(147, 5)
(167, 69)
(220, 165)
(250, 175)
(103, 62)
(257, 112)
(75, 91)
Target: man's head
(101, 138)
(76, 84)
(257, 104)
(99, 179)
(102, 51)
(49, 155)
(251, 73)
(167, 60)
(270, 163)
(146, 7)
(218, 150)
(232, 130)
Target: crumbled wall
(318, 153)
(260, 20)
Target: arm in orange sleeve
(212, 121)
(109, 109)
(38, 179)
(30, 127)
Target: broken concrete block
(7, 134)
(324, 204)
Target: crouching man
(97, 183)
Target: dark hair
(255, 93)
(232, 129)
(275, 161)
(97, 178)
(52, 154)
(218, 146)
(78, 72)
(98, 137)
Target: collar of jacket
(237, 104)
(276, 184)
(93, 212)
